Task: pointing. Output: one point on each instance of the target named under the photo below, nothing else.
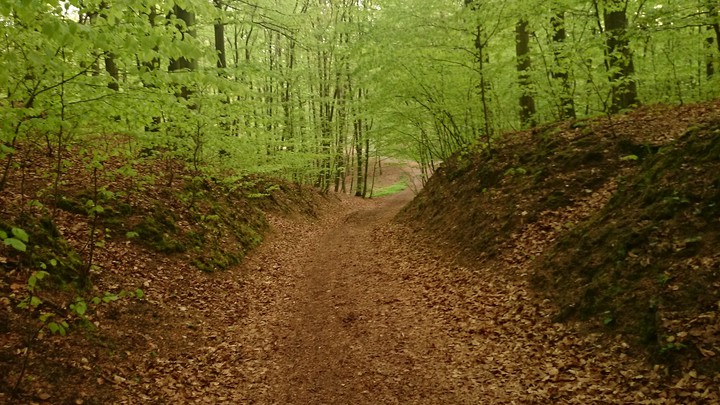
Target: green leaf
(79, 307)
(3, 235)
(131, 235)
(16, 244)
(96, 301)
(35, 302)
(20, 234)
(35, 277)
(139, 293)
(6, 149)
(58, 328)
(109, 298)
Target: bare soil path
(362, 311)
(348, 331)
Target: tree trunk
(484, 87)
(183, 63)
(712, 41)
(524, 64)
(219, 28)
(112, 69)
(110, 65)
(561, 71)
(358, 129)
(619, 57)
(367, 164)
(151, 66)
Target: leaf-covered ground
(353, 307)
(613, 220)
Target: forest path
(348, 330)
(357, 309)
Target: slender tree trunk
(561, 71)
(148, 66)
(710, 56)
(367, 165)
(619, 57)
(524, 64)
(358, 129)
(712, 41)
(482, 59)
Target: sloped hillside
(122, 246)
(614, 219)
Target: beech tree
(619, 56)
(524, 64)
(561, 67)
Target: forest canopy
(312, 90)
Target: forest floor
(358, 309)
(353, 308)
(346, 307)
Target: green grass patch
(398, 187)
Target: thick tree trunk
(524, 64)
(183, 63)
(112, 69)
(619, 57)
(219, 28)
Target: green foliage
(17, 239)
(266, 113)
(515, 171)
(51, 252)
(54, 323)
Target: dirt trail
(355, 309)
(348, 331)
